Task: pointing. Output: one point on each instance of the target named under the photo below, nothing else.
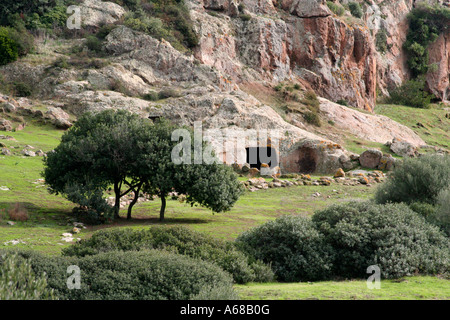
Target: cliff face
(302, 40)
(252, 44)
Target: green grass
(50, 216)
(436, 127)
(409, 288)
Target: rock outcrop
(260, 42)
(95, 13)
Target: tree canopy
(132, 154)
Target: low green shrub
(416, 180)
(179, 240)
(442, 213)
(342, 102)
(381, 40)
(245, 17)
(151, 96)
(355, 9)
(22, 89)
(426, 210)
(18, 281)
(94, 44)
(294, 248)
(144, 275)
(336, 8)
(312, 118)
(392, 236)
(411, 93)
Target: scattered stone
(6, 152)
(40, 153)
(28, 153)
(339, 173)
(245, 167)
(13, 242)
(3, 188)
(363, 180)
(10, 223)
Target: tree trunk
(163, 206)
(132, 203)
(117, 201)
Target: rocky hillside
(256, 65)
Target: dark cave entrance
(259, 155)
(307, 160)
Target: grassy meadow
(50, 216)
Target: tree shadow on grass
(33, 214)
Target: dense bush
(18, 281)
(355, 9)
(392, 236)
(425, 25)
(34, 14)
(179, 240)
(8, 47)
(292, 246)
(144, 275)
(411, 93)
(416, 180)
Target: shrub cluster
(292, 246)
(355, 9)
(391, 236)
(416, 180)
(178, 240)
(144, 275)
(411, 93)
(344, 240)
(18, 281)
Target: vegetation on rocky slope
(426, 23)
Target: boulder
(387, 162)
(403, 148)
(9, 107)
(5, 125)
(95, 13)
(28, 153)
(370, 158)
